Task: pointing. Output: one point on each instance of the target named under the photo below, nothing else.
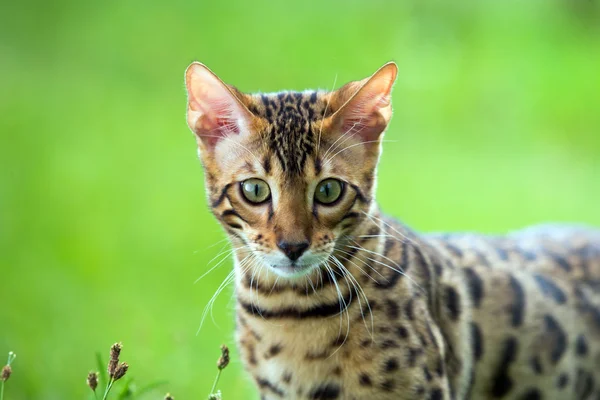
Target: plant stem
(110, 383)
(214, 384)
(2, 391)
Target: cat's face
(289, 175)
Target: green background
(103, 223)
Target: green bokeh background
(103, 223)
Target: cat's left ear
(215, 110)
(365, 107)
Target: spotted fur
(373, 309)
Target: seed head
(121, 371)
(224, 359)
(113, 362)
(215, 396)
(92, 380)
(169, 397)
(6, 371)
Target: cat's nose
(293, 250)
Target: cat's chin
(292, 271)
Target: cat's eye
(255, 190)
(328, 191)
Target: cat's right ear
(214, 112)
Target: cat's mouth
(292, 270)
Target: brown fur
(399, 315)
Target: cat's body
(336, 301)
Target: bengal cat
(335, 300)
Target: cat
(335, 300)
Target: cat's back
(534, 299)
(567, 251)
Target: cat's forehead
(291, 133)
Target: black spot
(273, 350)
(325, 392)
(408, 310)
(454, 250)
(419, 391)
(412, 355)
(392, 309)
(436, 394)
(365, 380)
(388, 385)
(517, 308)
(562, 381)
(559, 338)
(584, 384)
(531, 394)
(287, 377)
(549, 288)
(402, 332)
(391, 365)
(389, 344)
(477, 340)
(475, 285)
(536, 365)
(501, 381)
(581, 346)
(453, 302)
(439, 367)
(502, 253)
(562, 263)
(526, 254)
(427, 374)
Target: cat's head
(291, 174)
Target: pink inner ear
(213, 110)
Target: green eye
(255, 190)
(328, 191)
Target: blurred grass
(103, 223)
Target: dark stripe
(267, 164)
(233, 225)
(475, 285)
(222, 196)
(351, 214)
(359, 194)
(517, 308)
(320, 311)
(549, 288)
(318, 166)
(392, 280)
(477, 341)
(232, 212)
(265, 384)
(501, 381)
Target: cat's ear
(214, 111)
(365, 106)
